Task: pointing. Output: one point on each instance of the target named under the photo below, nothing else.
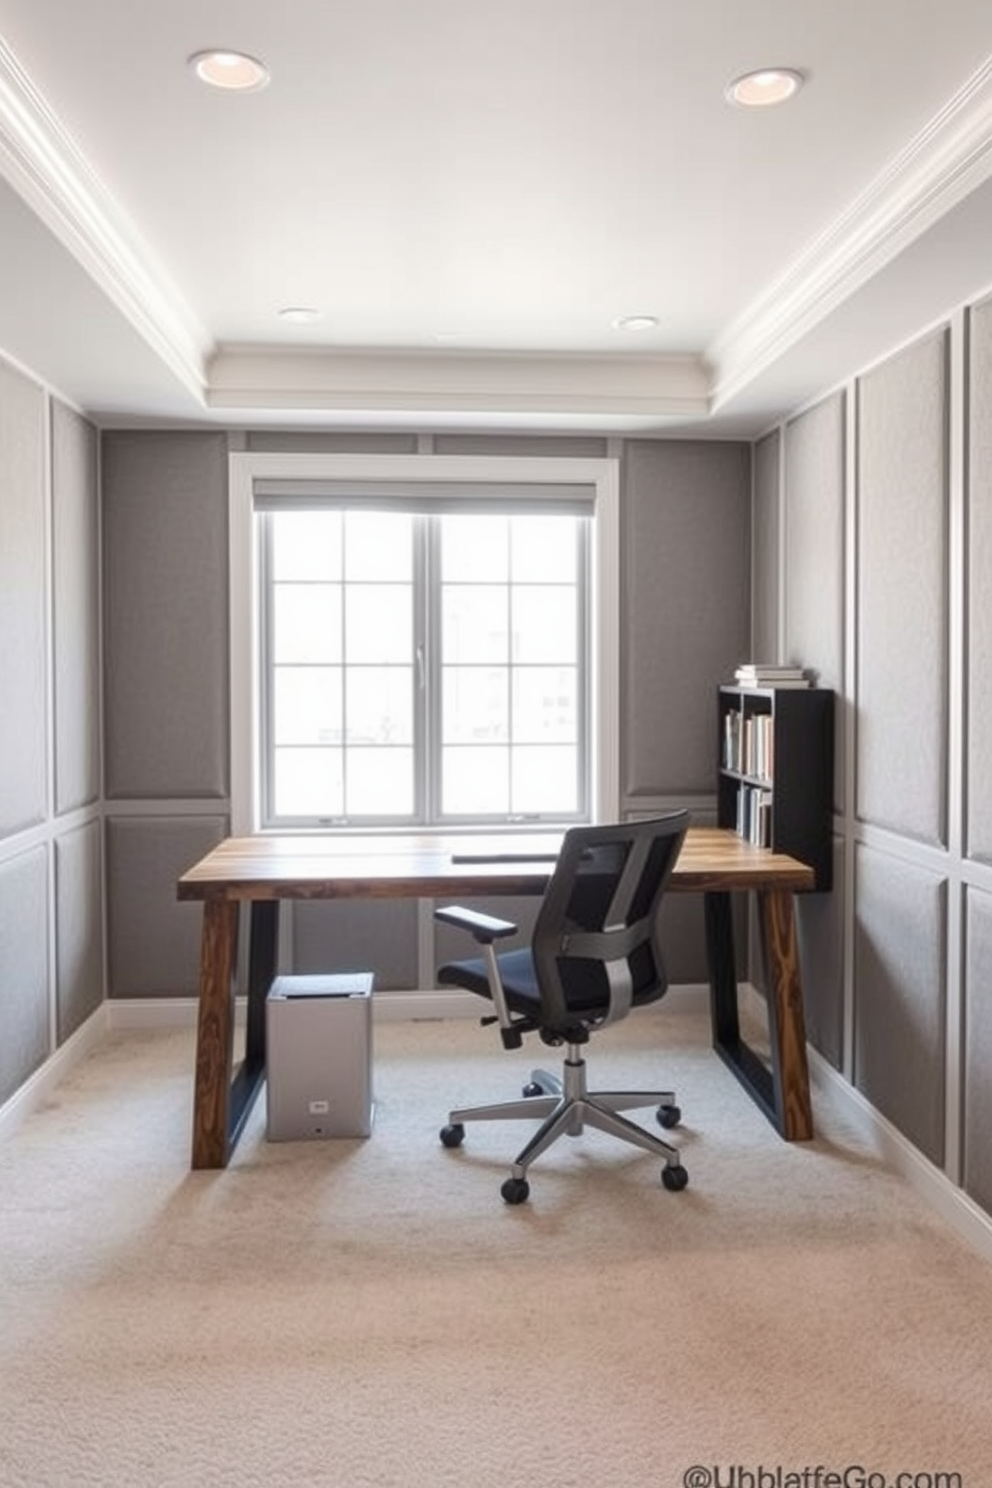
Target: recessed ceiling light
(765, 87)
(635, 323)
(234, 71)
(299, 314)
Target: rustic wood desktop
(263, 870)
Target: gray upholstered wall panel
(978, 1049)
(23, 655)
(900, 937)
(166, 614)
(153, 940)
(813, 542)
(378, 936)
(78, 926)
(978, 714)
(685, 595)
(76, 646)
(24, 911)
(765, 571)
(820, 926)
(563, 446)
(902, 592)
(327, 443)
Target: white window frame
(247, 468)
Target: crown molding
(268, 377)
(946, 161)
(43, 164)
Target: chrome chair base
(565, 1107)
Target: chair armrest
(483, 928)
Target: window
(423, 669)
(421, 652)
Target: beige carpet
(371, 1313)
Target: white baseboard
(180, 1012)
(422, 1006)
(155, 1012)
(40, 1086)
(951, 1203)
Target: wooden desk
(261, 871)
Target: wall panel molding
(902, 578)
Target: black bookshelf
(775, 748)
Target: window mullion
(584, 654)
(427, 629)
(345, 660)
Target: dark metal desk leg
(719, 922)
(263, 944)
(215, 1034)
(786, 1021)
(247, 1083)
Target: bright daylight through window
(423, 667)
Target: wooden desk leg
(786, 1021)
(221, 1104)
(215, 1034)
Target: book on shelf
(754, 815)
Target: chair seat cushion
(588, 992)
(516, 970)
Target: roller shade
(549, 498)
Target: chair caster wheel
(668, 1116)
(452, 1136)
(532, 1088)
(515, 1190)
(674, 1178)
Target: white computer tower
(319, 1057)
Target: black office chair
(594, 955)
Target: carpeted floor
(370, 1313)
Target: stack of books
(748, 744)
(768, 674)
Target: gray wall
(883, 537)
(165, 726)
(51, 900)
(685, 534)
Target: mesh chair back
(596, 942)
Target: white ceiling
(472, 193)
